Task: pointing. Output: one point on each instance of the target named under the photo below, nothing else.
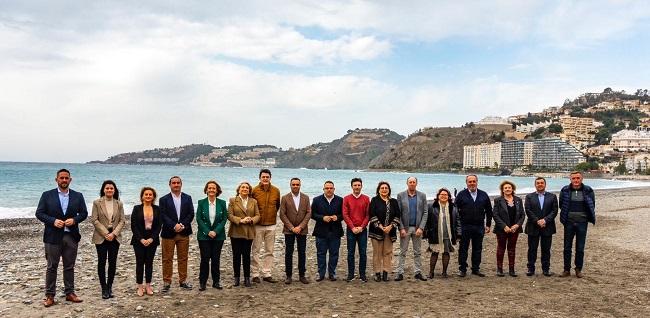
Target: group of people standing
(253, 212)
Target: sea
(21, 183)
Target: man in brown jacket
(295, 212)
(268, 201)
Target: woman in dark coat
(509, 217)
(384, 220)
(145, 225)
(442, 230)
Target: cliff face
(436, 149)
(355, 150)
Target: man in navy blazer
(177, 213)
(541, 210)
(61, 210)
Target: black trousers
(107, 250)
(66, 251)
(241, 253)
(289, 243)
(471, 234)
(210, 259)
(533, 243)
(144, 261)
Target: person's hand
(212, 234)
(59, 223)
(326, 219)
(487, 229)
(388, 228)
(69, 222)
(144, 242)
(514, 228)
(178, 227)
(418, 232)
(150, 241)
(541, 223)
(402, 233)
(507, 229)
(109, 237)
(297, 230)
(333, 218)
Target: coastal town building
(632, 140)
(577, 131)
(638, 162)
(546, 153)
(493, 120)
(529, 128)
(482, 156)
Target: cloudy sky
(82, 80)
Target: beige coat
(292, 216)
(100, 220)
(236, 212)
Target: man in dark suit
(61, 210)
(177, 213)
(327, 211)
(541, 210)
(475, 211)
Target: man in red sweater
(355, 214)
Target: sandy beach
(616, 282)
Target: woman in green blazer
(211, 216)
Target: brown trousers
(382, 254)
(182, 245)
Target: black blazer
(501, 217)
(535, 213)
(170, 218)
(137, 226)
(431, 230)
(377, 209)
(49, 210)
(320, 208)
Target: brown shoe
(579, 274)
(73, 298)
(304, 280)
(565, 274)
(49, 301)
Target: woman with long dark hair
(145, 225)
(384, 220)
(442, 230)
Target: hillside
(178, 155)
(355, 150)
(436, 149)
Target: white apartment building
(482, 156)
(632, 140)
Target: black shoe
(444, 275)
(512, 273)
(166, 288)
(269, 280)
(364, 278)
(384, 276)
(378, 277)
(186, 286)
(530, 272)
(462, 273)
(201, 286)
(217, 285)
(420, 277)
(478, 273)
(349, 279)
(499, 272)
(105, 294)
(256, 280)
(399, 277)
(333, 278)
(548, 273)
(247, 282)
(287, 280)
(320, 278)
(304, 280)
(235, 282)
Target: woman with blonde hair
(243, 214)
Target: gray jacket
(421, 215)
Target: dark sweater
(472, 212)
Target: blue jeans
(360, 240)
(289, 241)
(324, 245)
(474, 234)
(579, 231)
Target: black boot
(445, 264)
(512, 272)
(247, 281)
(384, 275)
(432, 264)
(105, 294)
(110, 290)
(500, 272)
(236, 282)
(378, 277)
